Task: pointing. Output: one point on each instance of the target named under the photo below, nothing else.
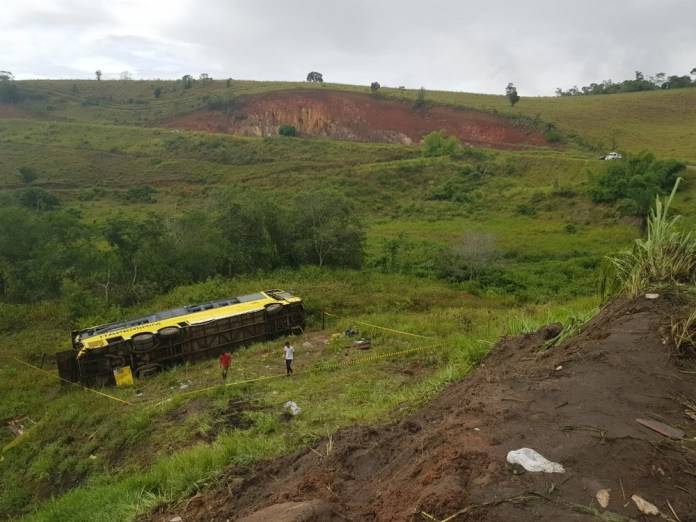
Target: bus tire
(147, 369)
(169, 333)
(274, 308)
(143, 342)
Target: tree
(693, 72)
(125, 75)
(327, 230)
(511, 93)
(37, 198)
(228, 82)
(9, 92)
(187, 79)
(204, 77)
(158, 92)
(420, 99)
(98, 74)
(315, 77)
(374, 86)
(27, 175)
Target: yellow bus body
(87, 342)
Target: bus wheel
(143, 342)
(274, 308)
(169, 333)
(147, 370)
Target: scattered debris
(559, 368)
(672, 510)
(662, 428)
(603, 497)
(18, 425)
(92, 457)
(292, 408)
(533, 461)
(176, 519)
(362, 344)
(652, 296)
(307, 344)
(644, 506)
(183, 386)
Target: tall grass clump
(664, 259)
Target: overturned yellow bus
(149, 344)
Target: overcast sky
(465, 45)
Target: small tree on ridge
(511, 93)
(315, 77)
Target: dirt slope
(576, 404)
(355, 116)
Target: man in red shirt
(225, 361)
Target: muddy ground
(355, 116)
(576, 404)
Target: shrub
(27, 175)
(37, 199)
(460, 187)
(438, 144)
(665, 258)
(552, 134)
(144, 194)
(287, 130)
(526, 209)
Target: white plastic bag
(533, 461)
(293, 408)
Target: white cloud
(473, 45)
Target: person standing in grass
(289, 352)
(225, 361)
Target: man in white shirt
(289, 352)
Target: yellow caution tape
(73, 383)
(319, 368)
(385, 328)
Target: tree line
(48, 254)
(639, 83)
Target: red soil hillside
(355, 116)
(576, 404)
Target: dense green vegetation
(104, 217)
(48, 255)
(639, 83)
(634, 182)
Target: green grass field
(86, 457)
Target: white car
(613, 156)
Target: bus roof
(184, 310)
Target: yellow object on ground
(123, 376)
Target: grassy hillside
(461, 247)
(660, 121)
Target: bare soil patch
(576, 404)
(355, 116)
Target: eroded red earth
(355, 116)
